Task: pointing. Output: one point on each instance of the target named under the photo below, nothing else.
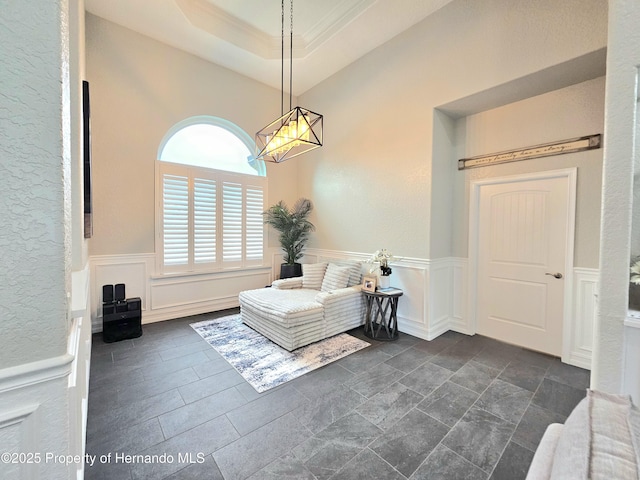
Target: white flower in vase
(382, 258)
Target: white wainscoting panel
(440, 297)
(18, 433)
(459, 276)
(174, 297)
(413, 307)
(36, 409)
(580, 328)
(425, 309)
(165, 297)
(79, 348)
(132, 270)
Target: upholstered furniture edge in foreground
(598, 441)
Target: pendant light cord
(282, 63)
(291, 56)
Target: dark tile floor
(456, 407)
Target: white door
(523, 231)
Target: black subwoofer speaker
(121, 318)
(121, 326)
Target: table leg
(368, 321)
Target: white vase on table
(384, 281)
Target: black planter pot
(289, 270)
(634, 296)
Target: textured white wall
(560, 115)
(36, 234)
(140, 88)
(374, 182)
(623, 57)
(35, 168)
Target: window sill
(230, 272)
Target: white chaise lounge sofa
(295, 312)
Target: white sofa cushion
(289, 307)
(597, 441)
(571, 458)
(335, 277)
(313, 274)
(612, 452)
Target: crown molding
(229, 28)
(217, 22)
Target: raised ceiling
(244, 35)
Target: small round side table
(381, 315)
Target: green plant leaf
(293, 225)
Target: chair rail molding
(42, 371)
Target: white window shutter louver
(204, 221)
(254, 224)
(210, 220)
(175, 219)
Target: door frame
(570, 175)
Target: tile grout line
(518, 424)
(333, 384)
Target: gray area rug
(264, 364)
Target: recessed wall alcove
(462, 129)
(554, 104)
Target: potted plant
(294, 228)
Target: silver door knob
(554, 275)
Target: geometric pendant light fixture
(295, 132)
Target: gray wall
(560, 115)
(384, 177)
(140, 88)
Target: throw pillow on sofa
(335, 277)
(355, 267)
(313, 274)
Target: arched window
(211, 195)
(211, 142)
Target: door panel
(517, 302)
(522, 236)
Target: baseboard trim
(162, 315)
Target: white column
(623, 54)
(35, 235)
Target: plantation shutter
(204, 221)
(209, 220)
(175, 219)
(232, 244)
(254, 224)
